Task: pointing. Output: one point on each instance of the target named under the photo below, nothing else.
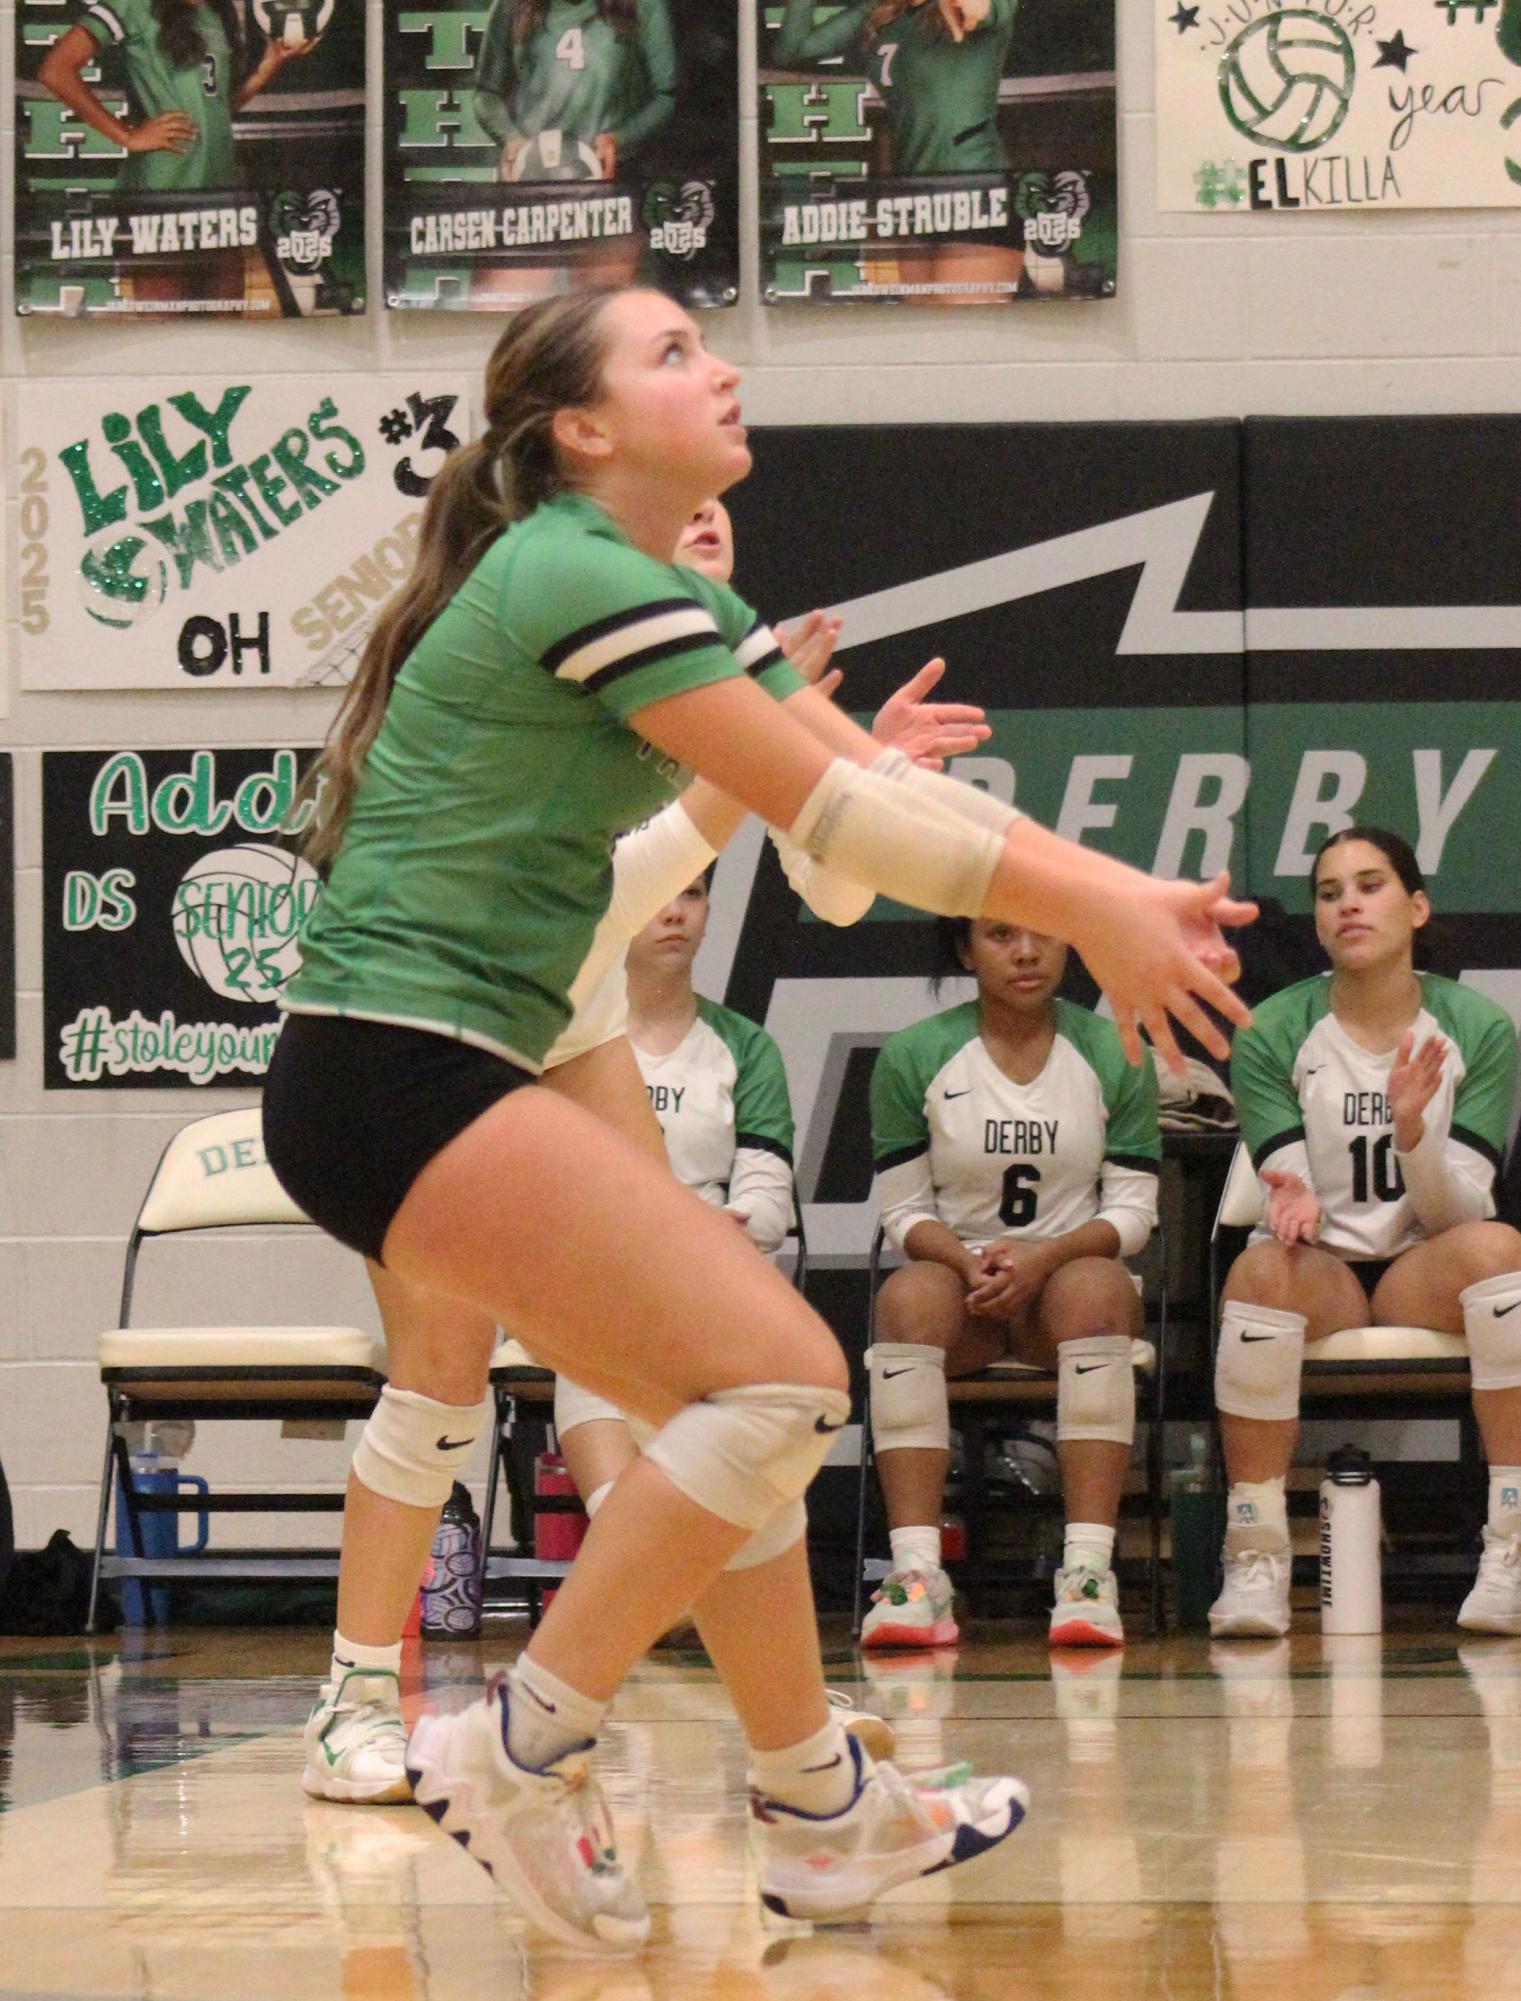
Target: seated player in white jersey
(354, 1738)
(1016, 1164)
(1375, 1103)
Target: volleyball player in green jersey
(937, 65)
(182, 61)
(1017, 1155)
(541, 682)
(1375, 1103)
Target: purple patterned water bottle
(451, 1591)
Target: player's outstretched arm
(1156, 948)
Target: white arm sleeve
(906, 1195)
(1446, 1182)
(760, 1187)
(1128, 1201)
(653, 864)
(833, 897)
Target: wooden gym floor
(1317, 1820)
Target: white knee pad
(413, 1448)
(574, 1406)
(1259, 1361)
(785, 1527)
(1095, 1389)
(908, 1401)
(1492, 1322)
(741, 1453)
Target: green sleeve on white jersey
(599, 613)
(1262, 1067)
(762, 1107)
(1132, 1136)
(1486, 1039)
(905, 1067)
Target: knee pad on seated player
(1260, 1358)
(908, 1401)
(574, 1406)
(1492, 1324)
(741, 1453)
(785, 1527)
(413, 1448)
(1095, 1389)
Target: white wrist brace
(899, 838)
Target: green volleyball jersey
(202, 90)
(721, 1099)
(941, 95)
(957, 1141)
(576, 74)
(476, 860)
(1313, 1103)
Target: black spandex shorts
(355, 1110)
(1368, 1271)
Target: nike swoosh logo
(1088, 1371)
(1501, 1311)
(1259, 1337)
(823, 1424)
(549, 1708)
(452, 1444)
(888, 1375)
(837, 1759)
(1316, 1071)
(948, 1095)
(341, 1661)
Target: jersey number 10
(1387, 1186)
(1019, 1197)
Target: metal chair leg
(102, 1514)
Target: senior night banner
(532, 144)
(221, 532)
(202, 159)
(938, 151)
(171, 906)
(1338, 104)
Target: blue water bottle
(451, 1591)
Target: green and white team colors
(476, 861)
(202, 90)
(1313, 1103)
(721, 1098)
(956, 1141)
(577, 74)
(941, 94)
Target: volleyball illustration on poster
(937, 152)
(1328, 105)
(217, 533)
(179, 160)
(532, 145)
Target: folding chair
(523, 1395)
(992, 1397)
(213, 1175)
(1426, 1370)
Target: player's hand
(1157, 950)
(962, 16)
(810, 645)
(166, 132)
(1010, 1278)
(605, 146)
(1293, 1210)
(1414, 1081)
(278, 54)
(929, 732)
(508, 170)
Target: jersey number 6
(1019, 1197)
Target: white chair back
(214, 1173)
(1241, 1203)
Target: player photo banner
(218, 532)
(535, 144)
(171, 906)
(205, 159)
(1338, 104)
(937, 151)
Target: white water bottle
(1351, 1579)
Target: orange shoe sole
(944, 1633)
(1079, 1633)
